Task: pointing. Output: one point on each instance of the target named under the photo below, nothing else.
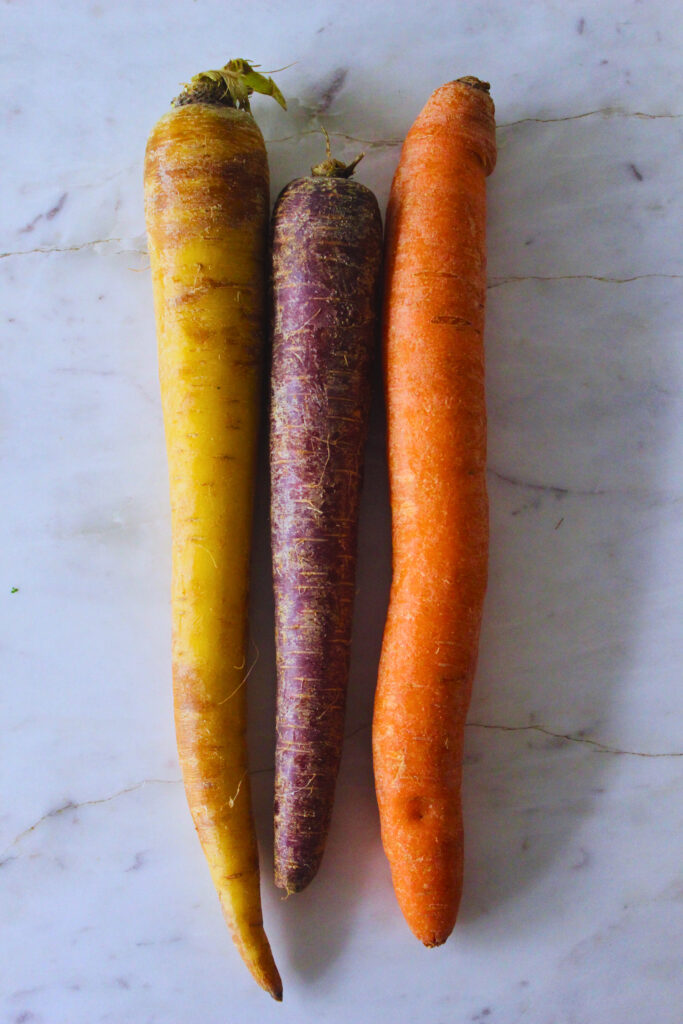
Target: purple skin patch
(326, 262)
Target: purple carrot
(327, 252)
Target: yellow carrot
(207, 203)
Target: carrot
(436, 421)
(207, 204)
(327, 250)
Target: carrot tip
(272, 983)
(296, 879)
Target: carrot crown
(476, 83)
(230, 86)
(331, 168)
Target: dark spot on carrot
(456, 321)
(580, 26)
(415, 809)
(636, 173)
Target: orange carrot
(434, 379)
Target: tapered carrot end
(276, 991)
(430, 934)
(268, 977)
(294, 881)
(297, 857)
(432, 926)
(433, 940)
(254, 948)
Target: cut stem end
(331, 168)
(475, 83)
(231, 86)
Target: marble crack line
(548, 488)
(389, 143)
(374, 143)
(46, 250)
(72, 805)
(601, 112)
(497, 282)
(601, 748)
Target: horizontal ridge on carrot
(326, 259)
(435, 288)
(206, 205)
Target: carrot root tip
(293, 883)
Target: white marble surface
(573, 898)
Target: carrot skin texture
(206, 199)
(326, 259)
(435, 287)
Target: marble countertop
(572, 910)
